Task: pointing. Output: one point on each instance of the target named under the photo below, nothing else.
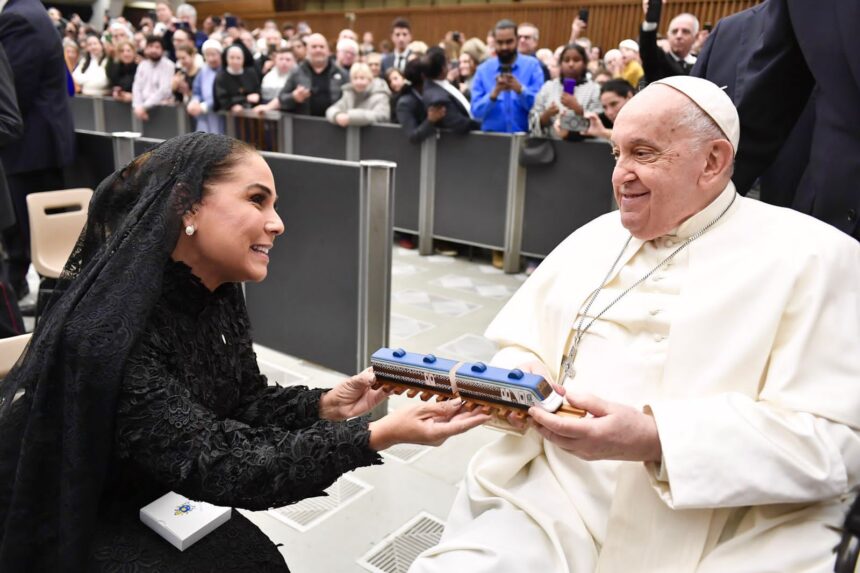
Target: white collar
(692, 225)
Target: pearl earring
(189, 230)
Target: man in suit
(10, 130)
(682, 35)
(35, 163)
(796, 91)
(401, 37)
(438, 91)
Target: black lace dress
(196, 416)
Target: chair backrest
(56, 220)
(10, 350)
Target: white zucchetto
(712, 100)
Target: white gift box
(182, 521)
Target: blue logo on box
(184, 508)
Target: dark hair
(582, 54)
(153, 39)
(505, 24)
(88, 58)
(284, 50)
(401, 23)
(225, 168)
(413, 72)
(434, 62)
(617, 86)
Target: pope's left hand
(352, 397)
(611, 432)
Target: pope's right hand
(428, 424)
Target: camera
(505, 68)
(573, 122)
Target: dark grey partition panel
(564, 196)
(83, 112)
(316, 137)
(93, 161)
(117, 115)
(388, 142)
(471, 188)
(163, 123)
(316, 259)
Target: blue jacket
(510, 112)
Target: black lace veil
(57, 406)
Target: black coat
(231, 90)
(11, 129)
(36, 56)
(456, 116)
(797, 88)
(657, 63)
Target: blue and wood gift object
(495, 390)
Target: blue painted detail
(429, 359)
(479, 367)
(399, 353)
(413, 360)
(515, 374)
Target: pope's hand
(352, 397)
(611, 432)
(429, 424)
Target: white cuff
(649, 26)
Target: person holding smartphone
(561, 105)
(505, 86)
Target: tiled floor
(377, 519)
(387, 513)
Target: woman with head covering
(141, 379)
(237, 86)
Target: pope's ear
(719, 160)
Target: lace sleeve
(164, 432)
(290, 407)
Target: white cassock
(746, 348)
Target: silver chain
(567, 363)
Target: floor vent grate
(310, 512)
(406, 453)
(397, 551)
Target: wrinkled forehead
(652, 113)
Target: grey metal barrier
(327, 296)
(561, 197)
(468, 189)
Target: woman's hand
(550, 112)
(253, 98)
(236, 108)
(435, 113)
(428, 424)
(342, 119)
(570, 102)
(352, 397)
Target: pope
(714, 341)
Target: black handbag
(537, 151)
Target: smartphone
(583, 15)
(183, 26)
(654, 9)
(569, 85)
(230, 22)
(573, 122)
(505, 68)
(708, 26)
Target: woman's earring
(189, 230)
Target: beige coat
(751, 366)
(372, 106)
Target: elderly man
(313, 85)
(658, 64)
(713, 341)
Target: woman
(71, 54)
(554, 105)
(121, 71)
(141, 379)
(365, 101)
(396, 82)
(91, 74)
(186, 72)
(236, 87)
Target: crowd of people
(506, 82)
